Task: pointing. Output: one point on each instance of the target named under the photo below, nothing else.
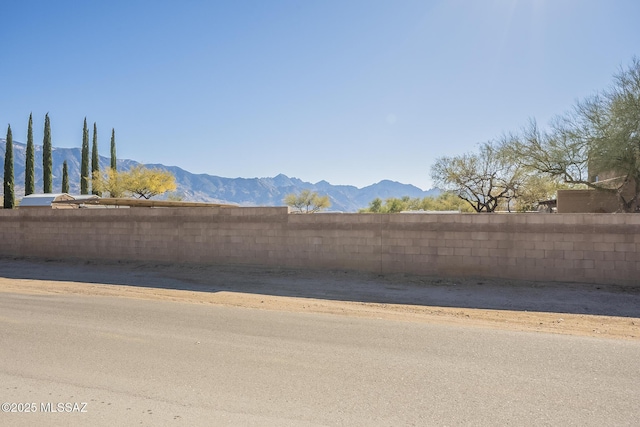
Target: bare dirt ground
(607, 311)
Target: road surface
(123, 361)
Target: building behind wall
(597, 201)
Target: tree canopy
(139, 181)
(109, 182)
(485, 179)
(596, 144)
(443, 202)
(307, 201)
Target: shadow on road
(496, 294)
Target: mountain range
(211, 188)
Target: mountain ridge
(267, 191)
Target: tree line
(138, 181)
(442, 202)
(307, 201)
(595, 145)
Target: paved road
(138, 362)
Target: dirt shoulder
(576, 309)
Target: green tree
(114, 165)
(84, 163)
(65, 177)
(395, 205)
(47, 161)
(536, 188)
(375, 206)
(485, 179)
(307, 201)
(29, 167)
(443, 202)
(9, 192)
(95, 159)
(597, 144)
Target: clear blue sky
(349, 91)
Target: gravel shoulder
(607, 311)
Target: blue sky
(349, 91)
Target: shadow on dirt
(496, 294)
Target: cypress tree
(65, 177)
(84, 165)
(29, 167)
(113, 150)
(9, 195)
(95, 165)
(47, 163)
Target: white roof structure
(46, 200)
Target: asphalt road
(140, 362)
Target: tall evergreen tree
(30, 163)
(84, 165)
(95, 165)
(47, 162)
(113, 149)
(65, 177)
(9, 195)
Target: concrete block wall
(597, 248)
(577, 247)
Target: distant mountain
(210, 188)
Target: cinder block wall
(598, 248)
